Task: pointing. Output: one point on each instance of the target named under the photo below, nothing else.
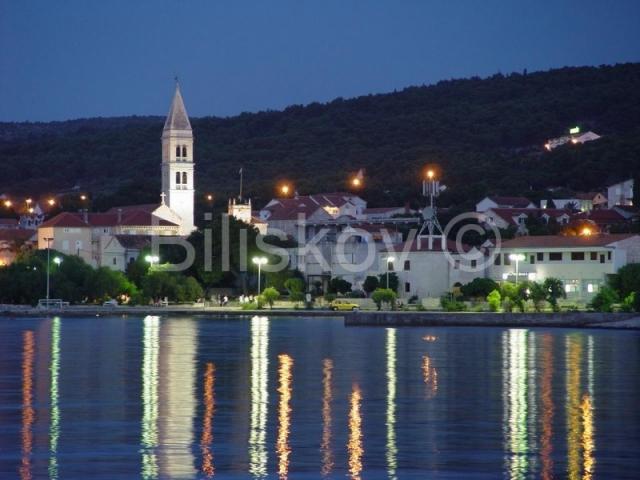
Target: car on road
(344, 305)
(110, 303)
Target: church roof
(177, 118)
(137, 218)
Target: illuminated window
(572, 286)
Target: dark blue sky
(84, 58)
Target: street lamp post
(390, 260)
(48, 239)
(517, 257)
(259, 261)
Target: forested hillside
(485, 134)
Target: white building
(503, 202)
(241, 210)
(430, 271)
(581, 262)
(620, 193)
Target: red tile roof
(603, 216)
(560, 241)
(16, 234)
(511, 202)
(12, 222)
(130, 218)
(307, 205)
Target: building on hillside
(81, 233)
(581, 262)
(605, 219)
(620, 193)
(13, 241)
(8, 223)
(348, 250)
(504, 218)
(288, 214)
(503, 202)
(582, 202)
(241, 210)
(575, 139)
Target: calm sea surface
(197, 397)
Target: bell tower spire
(177, 162)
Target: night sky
(82, 58)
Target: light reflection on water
(186, 388)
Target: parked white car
(110, 303)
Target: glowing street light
(83, 197)
(517, 257)
(31, 210)
(285, 189)
(356, 182)
(152, 259)
(586, 231)
(209, 197)
(51, 202)
(431, 174)
(8, 203)
(390, 261)
(28, 201)
(259, 261)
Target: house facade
(581, 262)
(620, 193)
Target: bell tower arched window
(184, 151)
(184, 178)
(177, 178)
(178, 151)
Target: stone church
(116, 237)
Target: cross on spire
(162, 197)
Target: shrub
(339, 285)
(604, 299)
(555, 290)
(384, 295)
(538, 295)
(494, 299)
(629, 303)
(451, 305)
(250, 306)
(270, 295)
(478, 287)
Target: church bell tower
(177, 163)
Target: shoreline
(630, 321)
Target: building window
(115, 261)
(555, 256)
(594, 255)
(390, 266)
(577, 256)
(532, 259)
(474, 263)
(572, 286)
(456, 265)
(609, 256)
(184, 178)
(178, 151)
(602, 258)
(540, 256)
(184, 151)
(507, 260)
(407, 265)
(407, 287)
(496, 261)
(177, 178)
